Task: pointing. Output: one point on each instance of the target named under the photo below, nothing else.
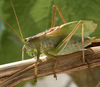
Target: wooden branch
(14, 73)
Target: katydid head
(31, 45)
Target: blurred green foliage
(36, 16)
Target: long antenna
(12, 29)
(17, 19)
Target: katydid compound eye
(31, 54)
(25, 40)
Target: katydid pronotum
(64, 39)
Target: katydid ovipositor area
(51, 33)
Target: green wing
(72, 42)
(65, 29)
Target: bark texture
(14, 73)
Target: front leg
(38, 55)
(23, 51)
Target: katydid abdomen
(49, 44)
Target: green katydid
(64, 39)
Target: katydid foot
(35, 80)
(55, 76)
(85, 62)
